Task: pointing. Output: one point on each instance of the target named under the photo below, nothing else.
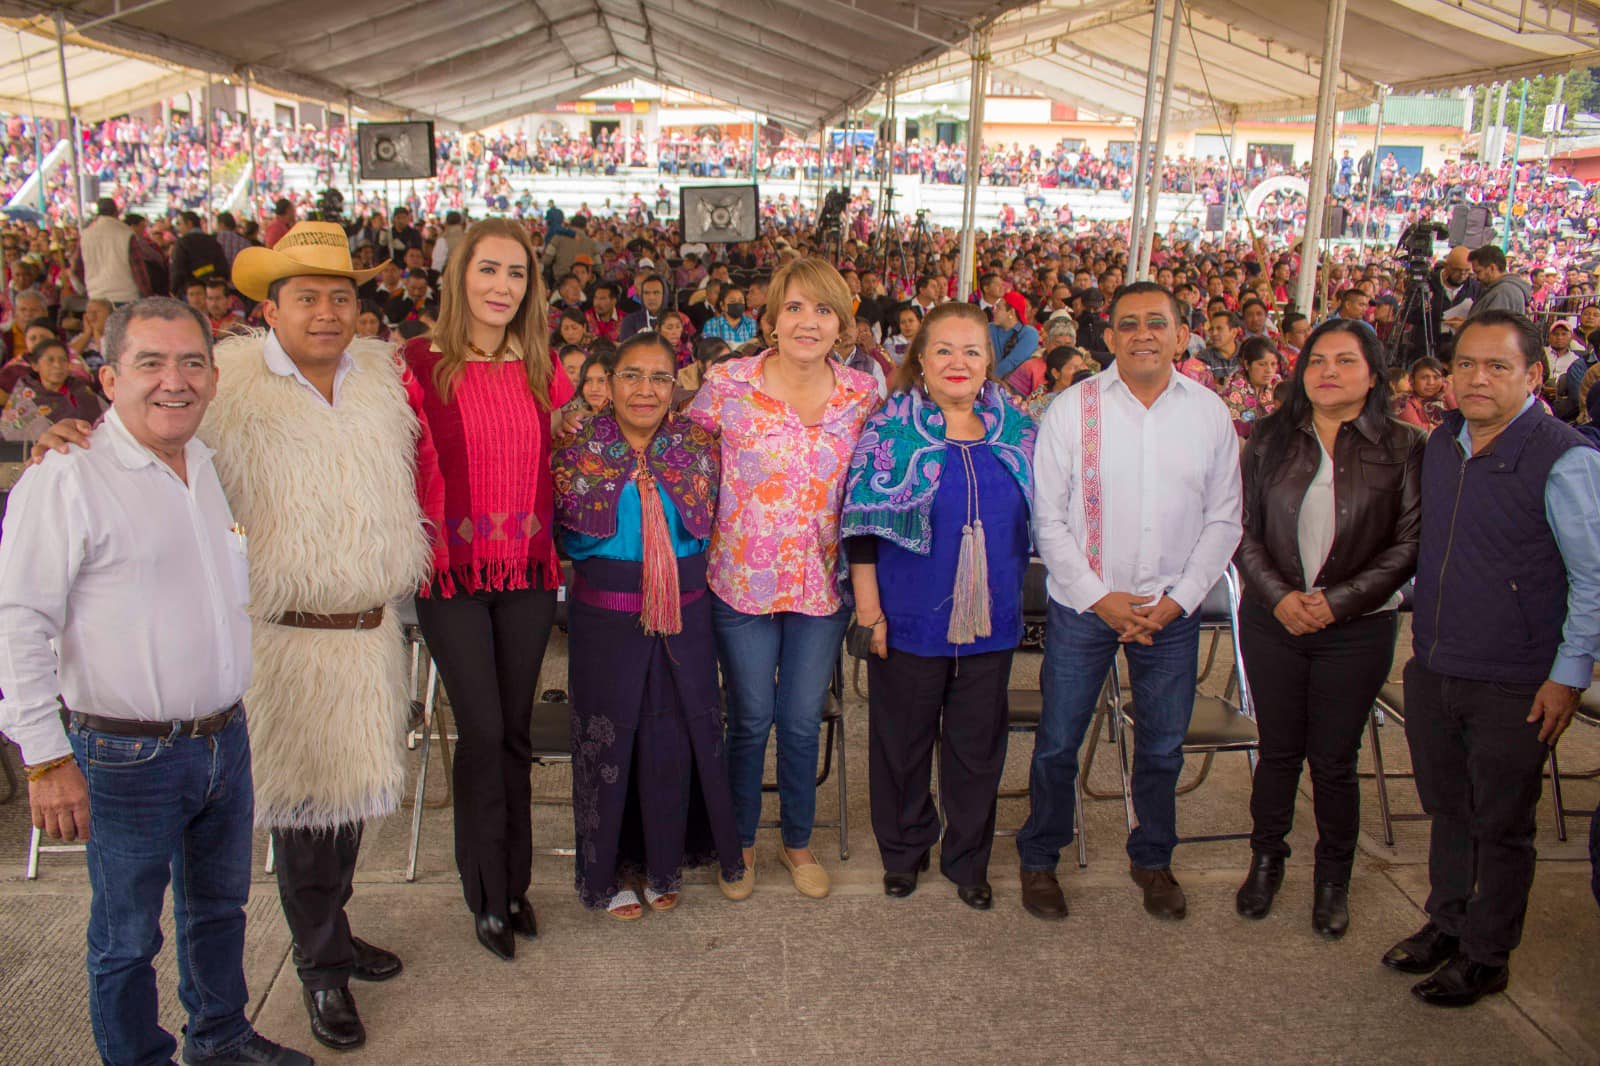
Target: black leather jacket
(1377, 484)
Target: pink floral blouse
(775, 545)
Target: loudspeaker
(1336, 223)
(1215, 217)
(719, 214)
(1470, 225)
(391, 151)
(91, 189)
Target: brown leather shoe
(1163, 896)
(1042, 896)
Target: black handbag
(858, 640)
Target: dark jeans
(159, 809)
(489, 647)
(1312, 696)
(316, 876)
(776, 668)
(913, 701)
(1079, 651)
(1480, 768)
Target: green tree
(1582, 93)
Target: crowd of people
(734, 460)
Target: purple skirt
(649, 777)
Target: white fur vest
(327, 497)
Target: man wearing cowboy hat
(324, 458)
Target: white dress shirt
(139, 579)
(1316, 525)
(279, 363)
(1170, 494)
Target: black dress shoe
(1261, 883)
(1422, 952)
(1461, 983)
(898, 885)
(521, 919)
(979, 896)
(334, 1021)
(1042, 896)
(1330, 908)
(257, 1051)
(495, 934)
(373, 963)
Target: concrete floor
(860, 978)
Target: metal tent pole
(1141, 159)
(250, 146)
(350, 146)
(1317, 194)
(1372, 175)
(211, 185)
(1158, 155)
(66, 106)
(969, 188)
(1516, 152)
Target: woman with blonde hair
(788, 419)
(489, 385)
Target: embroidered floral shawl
(594, 465)
(894, 474)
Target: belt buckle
(361, 618)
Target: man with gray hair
(126, 555)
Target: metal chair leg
(1555, 794)
(1377, 773)
(417, 801)
(844, 800)
(33, 854)
(1083, 840)
(272, 857)
(1121, 731)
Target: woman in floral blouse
(1248, 390)
(788, 420)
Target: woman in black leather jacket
(1331, 517)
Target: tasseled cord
(662, 613)
(969, 609)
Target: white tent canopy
(1259, 60)
(472, 63)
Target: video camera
(1415, 247)
(831, 217)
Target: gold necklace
(499, 353)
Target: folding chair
(551, 734)
(37, 847)
(832, 741)
(1588, 714)
(1218, 723)
(1390, 705)
(427, 721)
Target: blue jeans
(776, 668)
(159, 809)
(1079, 650)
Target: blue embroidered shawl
(894, 474)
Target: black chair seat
(1214, 724)
(1393, 695)
(1024, 706)
(1589, 705)
(551, 731)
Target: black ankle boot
(1254, 899)
(1330, 908)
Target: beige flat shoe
(624, 906)
(740, 889)
(810, 879)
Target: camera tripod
(1404, 338)
(890, 244)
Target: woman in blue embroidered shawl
(636, 494)
(936, 515)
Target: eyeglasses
(634, 378)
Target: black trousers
(1480, 771)
(914, 700)
(316, 872)
(1312, 696)
(489, 647)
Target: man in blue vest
(1506, 636)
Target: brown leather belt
(129, 727)
(368, 619)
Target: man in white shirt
(1136, 516)
(128, 557)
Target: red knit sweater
(493, 441)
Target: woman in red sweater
(489, 385)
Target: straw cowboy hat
(315, 248)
